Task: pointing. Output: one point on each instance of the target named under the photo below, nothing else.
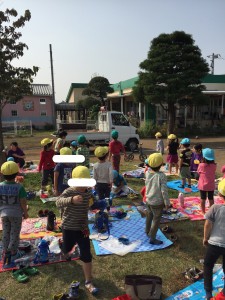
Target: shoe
(20, 276)
(30, 271)
(155, 242)
(167, 229)
(91, 288)
(181, 186)
(74, 290)
(193, 274)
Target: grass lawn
(110, 270)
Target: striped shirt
(83, 150)
(75, 216)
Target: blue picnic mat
(196, 290)
(174, 184)
(133, 229)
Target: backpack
(102, 222)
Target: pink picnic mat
(192, 208)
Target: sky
(110, 38)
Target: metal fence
(17, 127)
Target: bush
(149, 129)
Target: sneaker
(155, 242)
(91, 288)
(74, 290)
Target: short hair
(48, 146)
(156, 168)
(62, 134)
(186, 145)
(14, 144)
(198, 147)
(10, 177)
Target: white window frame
(42, 101)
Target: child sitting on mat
(156, 197)
(119, 187)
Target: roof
(75, 86)
(126, 84)
(64, 106)
(41, 89)
(211, 78)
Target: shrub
(149, 129)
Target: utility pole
(53, 89)
(213, 57)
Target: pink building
(38, 108)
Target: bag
(51, 218)
(143, 287)
(102, 222)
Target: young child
(115, 147)
(172, 157)
(73, 147)
(159, 144)
(207, 173)
(214, 240)
(102, 173)
(196, 158)
(75, 204)
(60, 141)
(13, 207)
(156, 197)
(185, 161)
(62, 173)
(119, 187)
(17, 153)
(46, 164)
(83, 150)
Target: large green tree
(14, 81)
(171, 74)
(88, 107)
(98, 87)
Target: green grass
(109, 271)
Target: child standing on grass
(46, 164)
(75, 204)
(156, 197)
(159, 144)
(115, 147)
(13, 207)
(83, 150)
(60, 141)
(207, 175)
(172, 157)
(214, 240)
(196, 158)
(185, 161)
(102, 173)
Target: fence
(17, 127)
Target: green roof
(210, 78)
(126, 84)
(75, 86)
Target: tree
(98, 87)
(14, 81)
(172, 71)
(87, 106)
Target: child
(46, 163)
(13, 207)
(214, 240)
(73, 147)
(60, 141)
(83, 150)
(115, 147)
(159, 144)
(102, 173)
(17, 154)
(206, 183)
(185, 161)
(196, 158)
(75, 203)
(119, 187)
(62, 173)
(172, 157)
(156, 196)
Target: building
(38, 108)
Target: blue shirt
(65, 173)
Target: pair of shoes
(42, 214)
(193, 274)
(20, 276)
(167, 229)
(30, 271)
(91, 288)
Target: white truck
(108, 121)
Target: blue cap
(185, 141)
(10, 158)
(74, 143)
(208, 154)
(146, 161)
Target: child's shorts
(203, 195)
(185, 172)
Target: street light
(213, 57)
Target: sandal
(30, 270)
(20, 276)
(167, 229)
(173, 238)
(193, 274)
(91, 288)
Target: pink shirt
(207, 173)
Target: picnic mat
(28, 258)
(192, 207)
(31, 169)
(138, 173)
(196, 290)
(134, 230)
(174, 184)
(48, 199)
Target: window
(13, 101)
(43, 113)
(14, 113)
(42, 101)
(119, 120)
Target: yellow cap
(158, 134)
(155, 160)
(65, 151)
(46, 141)
(9, 168)
(172, 136)
(81, 172)
(221, 187)
(101, 151)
